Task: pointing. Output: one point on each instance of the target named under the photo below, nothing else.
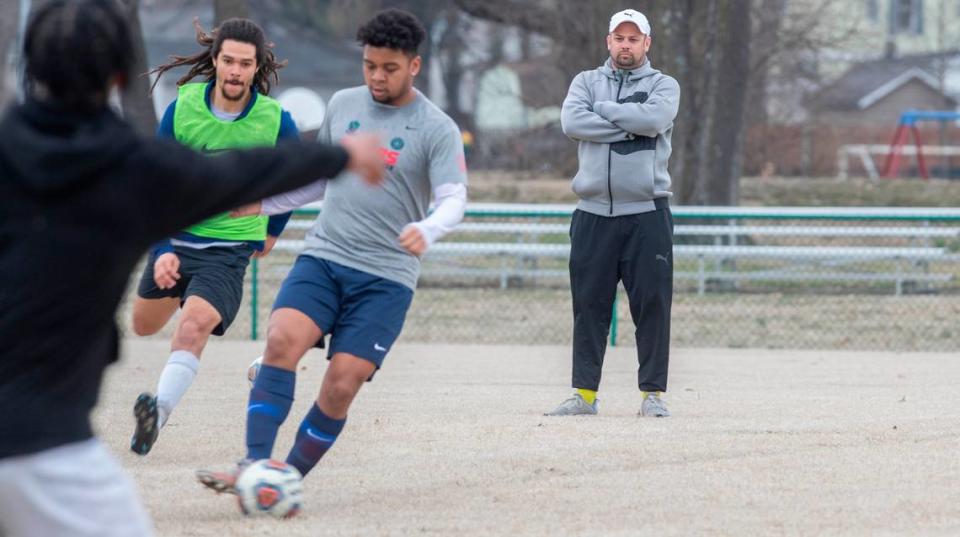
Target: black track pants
(637, 249)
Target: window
(873, 10)
(906, 16)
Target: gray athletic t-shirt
(359, 224)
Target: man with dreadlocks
(201, 269)
(356, 277)
(81, 198)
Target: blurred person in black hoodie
(82, 197)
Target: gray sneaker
(575, 406)
(654, 407)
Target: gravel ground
(450, 440)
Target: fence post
(254, 302)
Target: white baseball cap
(630, 15)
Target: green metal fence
(857, 278)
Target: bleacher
(902, 248)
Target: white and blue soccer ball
(269, 487)
(254, 370)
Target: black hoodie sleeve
(175, 187)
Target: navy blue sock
(316, 435)
(270, 400)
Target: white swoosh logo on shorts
(377, 347)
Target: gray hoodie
(623, 121)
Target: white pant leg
(76, 490)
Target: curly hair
(72, 48)
(395, 29)
(201, 64)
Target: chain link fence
(804, 278)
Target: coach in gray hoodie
(622, 115)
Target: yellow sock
(588, 395)
(643, 395)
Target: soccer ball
(269, 487)
(254, 370)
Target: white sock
(176, 378)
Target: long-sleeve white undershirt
(294, 199)
(450, 204)
(449, 207)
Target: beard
(384, 98)
(390, 99)
(391, 93)
(628, 61)
(234, 98)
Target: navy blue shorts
(214, 274)
(362, 313)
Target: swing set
(908, 123)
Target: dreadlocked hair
(71, 50)
(201, 64)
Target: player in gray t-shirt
(356, 276)
(360, 224)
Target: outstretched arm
(295, 198)
(278, 221)
(179, 187)
(286, 202)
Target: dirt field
(542, 316)
(450, 440)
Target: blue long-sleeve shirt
(276, 223)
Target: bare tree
(227, 9)
(451, 47)
(441, 19)
(701, 43)
(135, 98)
(767, 37)
(697, 76)
(573, 26)
(9, 19)
(345, 16)
(727, 130)
(724, 53)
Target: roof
(866, 83)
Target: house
(877, 92)
(520, 96)
(853, 31)
(860, 107)
(906, 26)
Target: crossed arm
(610, 122)
(579, 120)
(648, 118)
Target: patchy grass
(488, 186)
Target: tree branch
(522, 14)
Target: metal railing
(799, 277)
